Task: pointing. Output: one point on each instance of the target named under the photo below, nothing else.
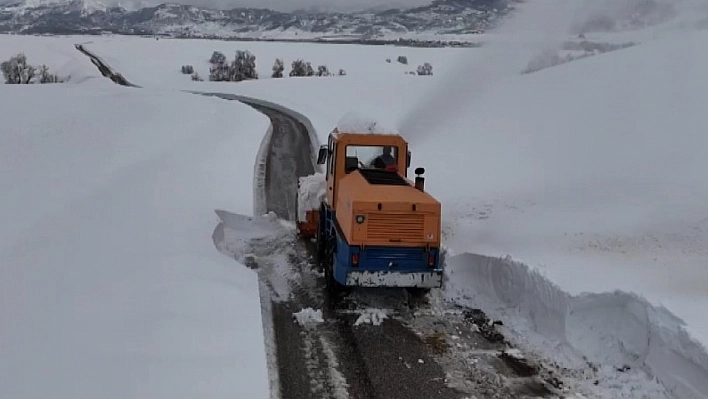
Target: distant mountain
(441, 17)
(441, 20)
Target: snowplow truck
(373, 226)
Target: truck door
(331, 164)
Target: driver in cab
(385, 161)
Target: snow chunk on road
(311, 193)
(371, 316)
(355, 123)
(308, 317)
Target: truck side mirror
(322, 155)
(408, 159)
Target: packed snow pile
(236, 233)
(311, 193)
(308, 317)
(613, 331)
(353, 122)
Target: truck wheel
(417, 292)
(328, 265)
(327, 260)
(416, 297)
(320, 245)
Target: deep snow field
(590, 177)
(110, 284)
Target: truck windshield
(370, 156)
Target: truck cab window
(368, 156)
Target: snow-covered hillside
(591, 173)
(110, 284)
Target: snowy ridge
(611, 330)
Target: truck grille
(396, 226)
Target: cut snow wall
(259, 168)
(609, 329)
(259, 174)
(312, 132)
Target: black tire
(319, 245)
(416, 297)
(328, 264)
(320, 238)
(418, 293)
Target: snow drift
(611, 330)
(110, 286)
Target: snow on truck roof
(353, 123)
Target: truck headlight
(360, 219)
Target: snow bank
(264, 243)
(110, 285)
(311, 192)
(610, 330)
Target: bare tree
(17, 71)
(322, 70)
(278, 68)
(46, 77)
(217, 57)
(425, 69)
(244, 66)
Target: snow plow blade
(308, 227)
(431, 279)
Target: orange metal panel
(394, 215)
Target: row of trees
(243, 67)
(425, 69)
(401, 59)
(16, 70)
(301, 67)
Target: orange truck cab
(374, 227)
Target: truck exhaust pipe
(419, 179)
